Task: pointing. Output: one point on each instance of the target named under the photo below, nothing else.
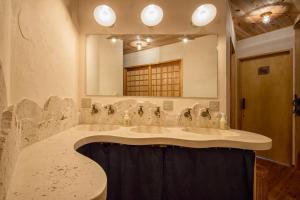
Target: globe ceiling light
(105, 15)
(152, 15)
(204, 14)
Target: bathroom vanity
(143, 162)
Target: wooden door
(161, 80)
(266, 87)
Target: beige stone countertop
(52, 169)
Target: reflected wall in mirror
(152, 65)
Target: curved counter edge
(53, 169)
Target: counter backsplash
(26, 123)
(147, 113)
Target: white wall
(104, 75)
(92, 51)
(199, 62)
(44, 50)
(110, 73)
(279, 40)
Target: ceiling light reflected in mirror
(266, 17)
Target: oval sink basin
(98, 127)
(208, 131)
(150, 129)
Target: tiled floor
(283, 182)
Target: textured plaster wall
(4, 52)
(44, 49)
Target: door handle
(243, 104)
(296, 103)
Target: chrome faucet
(206, 113)
(157, 112)
(187, 114)
(94, 109)
(141, 111)
(110, 109)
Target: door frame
(236, 106)
(297, 91)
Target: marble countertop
(52, 169)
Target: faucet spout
(141, 111)
(188, 114)
(206, 113)
(110, 109)
(157, 112)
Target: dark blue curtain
(171, 173)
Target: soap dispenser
(126, 119)
(223, 122)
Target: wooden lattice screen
(161, 80)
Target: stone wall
(27, 123)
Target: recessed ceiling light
(114, 40)
(148, 39)
(185, 40)
(152, 15)
(139, 46)
(204, 14)
(266, 17)
(105, 15)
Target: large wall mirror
(152, 65)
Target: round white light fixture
(204, 14)
(105, 15)
(139, 44)
(152, 15)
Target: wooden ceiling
(156, 40)
(243, 10)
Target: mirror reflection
(152, 65)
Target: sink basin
(208, 131)
(150, 129)
(98, 127)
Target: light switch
(168, 105)
(214, 106)
(86, 103)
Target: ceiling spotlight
(266, 17)
(114, 40)
(204, 14)
(148, 39)
(139, 46)
(105, 15)
(185, 40)
(152, 15)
